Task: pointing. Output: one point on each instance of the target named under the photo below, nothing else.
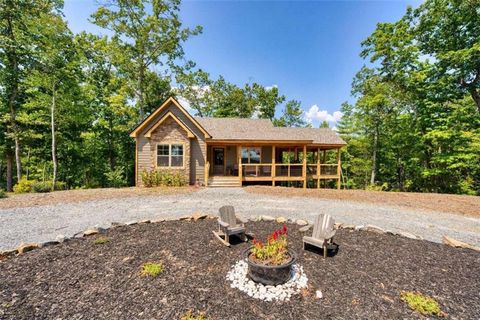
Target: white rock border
(239, 280)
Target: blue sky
(309, 49)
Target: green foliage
(190, 316)
(24, 186)
(46, 186)
(3, 194)
(292, 116)
(116, 177)
(422, 304)
(274, 251)
(151, 269)
(101, 240)
(163, 178)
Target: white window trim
(169, 144)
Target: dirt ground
(363, 280)
(80, 195)
(463, 205)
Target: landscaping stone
(48, 244)
(267, 218)
(408, 235)
(91, 232)
(458, 244)
(359, 227)
(301, 222)
(319, 294)
(348, 226)
(131, 223)
(199, 216)
(8, 253)
(305, 228)
(281, 220)
(373, 228)
(60, 238)
(145, 221)
(185, 218)
(158, 220)
(338, 225)
(25, 247)
(117, 224)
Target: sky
(308, 49)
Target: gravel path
(44, 223)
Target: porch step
(220, 181)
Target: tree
(292, 115)
(324, 124)
(146, 34)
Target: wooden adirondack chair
(228, 225)
(323, 232)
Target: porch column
(239, 156)
(318, 168)
(304, 170)
(339, 163)
(273, 166)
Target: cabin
(235, 151)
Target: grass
(101, 240)
(190, 316)
(422, 304)
(151, 269)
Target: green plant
(23, 186)
(423, 304)
(190, 316)
(152, 269)
(41, 187)
(3, 194)
(147, 179)
(274, 251)
(116, 177)
(164, 178)
(101, 240)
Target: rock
(188, 218)
(158, 220)
(338, 225)
(267, 218)
(348, 226)
(408, 235)
(359, 227)
(458, 244)
(199, 216)
(301, 222)
(91, 232)
(281, 220)
(117, 224)
(305, 228)
(131, 223)
(145, 221)
(49, 243)
(60, 238)
(319, 294)
(374, 229)
(8, 253)
(25, 247)
(254, 218)
(127, 259)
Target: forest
(69, 101)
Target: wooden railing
(286, 170)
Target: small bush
(163, 178)
(3, 194)
(24, 186)
(101, 240)
(116, 177)
(46, 186)
(422, 304)
(190, 316)
(151, 269)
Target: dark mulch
(81, 280)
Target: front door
(218, 160)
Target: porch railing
(286, 170)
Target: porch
(229, 164)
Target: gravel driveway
(44, 223)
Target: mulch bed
(82, 280)
(439, 202)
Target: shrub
(424, 305)
(152, 269)
(23, 186)
(46, 186)
(101, 240)
(116, 177)
(190, 316)
(164, 178)
(3, 194)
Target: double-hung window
(170, 155)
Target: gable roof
(165, 117)
(263, 130)
(142, 125)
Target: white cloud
(268, 88)
(315, 115)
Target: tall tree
(146, 34)
(292, 115)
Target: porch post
(318, 168)
(273, 166)
(239, 155)
(304, 167)
(339, 163)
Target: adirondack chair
(323, 232)
(228, 225)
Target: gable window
(170, 155)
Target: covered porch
(308, 165)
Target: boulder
(25, 247)
(199, 216)
(7, 253)
(91, 232)
(458, 244)
(301, 222)
(281, 220)
(267, 218)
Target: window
(170, 155)
(251, 155)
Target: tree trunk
(54, 143)
(111, 146)
(140, 92)
(9, 171)
(374, 156)
(476, 97)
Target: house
(234, 151)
